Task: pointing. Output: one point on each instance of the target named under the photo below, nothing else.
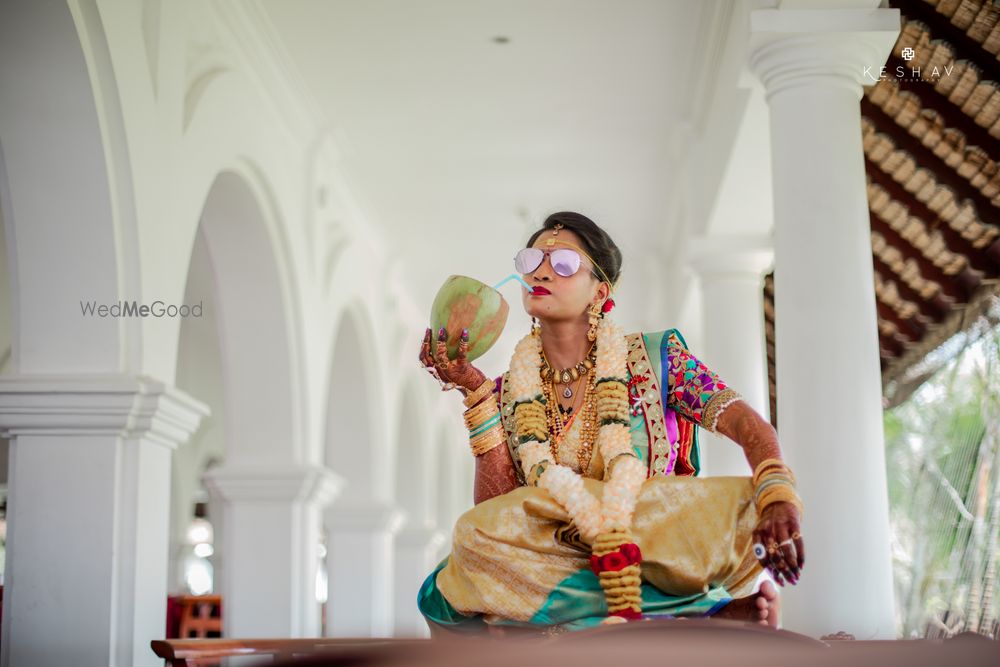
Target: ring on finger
(759, 551)
(786, 542)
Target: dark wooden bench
(204, 652)
(650, 643)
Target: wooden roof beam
(932, 311)
(941, 27)
(926, 158)
(986, 260)
(910, 329)
(891, 346)
(966, 278)
(950, 112)
(951, 288)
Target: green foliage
(942, 472)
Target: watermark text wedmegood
(136, 309)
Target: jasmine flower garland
(604, 524)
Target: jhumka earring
(594, 315)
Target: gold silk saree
(517, 559)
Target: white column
(88, 509)
(812, 65)
(731, 275)
(360, 568)
(270, 540)
(416, 556)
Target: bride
(587, 505)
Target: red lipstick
(538, 290)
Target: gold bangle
(484, 390)
(778, 494)
(767, 465)
(480, 413)
(763, 492)
(479, 410)
(484, 447)
(786, 476)
(487, 441)
(480, 422)
(480, 436)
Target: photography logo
(902, 72)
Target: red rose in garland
(631, 552)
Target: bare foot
(761, 607)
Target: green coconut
(466, 303)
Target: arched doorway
(361, 524)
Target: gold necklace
(559, 429)
(567, 375)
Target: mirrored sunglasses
(565, 261)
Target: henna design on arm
(743, 425)
(495, 474)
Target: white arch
(360, 526)
(268, 482)
(232, 128)
(419, 540)
(76, 149)
(199, 372)
(356, 442)
(256, 326)
(414, 459)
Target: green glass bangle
(766, 483)
(484, 426)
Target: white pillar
(731, 274)
(88, 511)
(360, 568)
(812, 65)
(270, 538)
(416, 556)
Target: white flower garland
(613, 439)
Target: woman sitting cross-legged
(588, 508)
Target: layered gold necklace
(566, 376)
(580, 441)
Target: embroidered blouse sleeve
(694, 390)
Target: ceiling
(464, 122)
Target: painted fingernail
(465, 335)
(442, 334)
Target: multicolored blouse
(671, 393)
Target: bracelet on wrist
(481, 392)
(488, 440)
